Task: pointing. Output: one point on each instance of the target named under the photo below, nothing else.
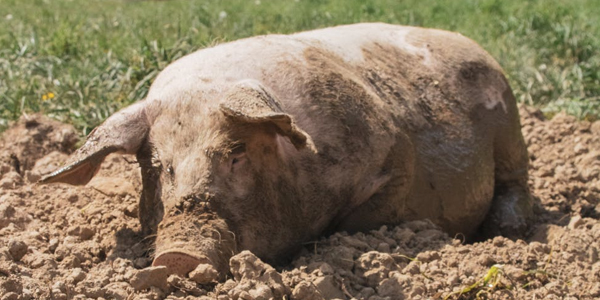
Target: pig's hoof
(177, 262)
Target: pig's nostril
(177, 262)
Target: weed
(481, 289)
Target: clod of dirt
(204, 274)
(11, 180)
(84, 242)
(118, 291)
(256, 278)
(32, 137)
(575, 222)
(151, 276)
(375, 267)
(306, 291)
(329, 287)
(77, 275)
(10, 288)
(393, 287)
(17, 249)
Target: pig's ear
(122, 132)
(249, 102)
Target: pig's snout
(178, 262)
(197, 243)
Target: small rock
(486, 260)
(418, 289)
(204, 274)
(403, 235)
(244, 295)
(354, 242)
(367, 292)
(245, 266)
(32, 177)
(412, 268)
(515, 273)
(538, 247)
(173, 280)
(390, 287)
(71, 261)
(580, 148)
(341, 257)
(10, 285)
(328, 287)
(77, 275)
(498, 241)
(375, 266)
(306, 291)
(259, 292)
(72, 197)
(428, 256)
(57, 295)
(17, 249)
(322, 268)
(576, 222)
(132, 210)
(10, 180)
(86, 233)
(118, 290)
(453, 280)
(151, 276)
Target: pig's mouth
(179, 262)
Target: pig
(268, 142)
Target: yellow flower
(48, 96)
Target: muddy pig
(271, 141)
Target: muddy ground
(64, 242)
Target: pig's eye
(237, 155)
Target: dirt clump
(29, 139)
(65, 242)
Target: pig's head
(208, 167)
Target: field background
(79, 61)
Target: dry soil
(65, 242)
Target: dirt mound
(31, 138)
(64, 242)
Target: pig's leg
(385, 201)
(150, 210)
(512, 205)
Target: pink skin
(345, 128)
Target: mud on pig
(267, 142)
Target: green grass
(97, 56)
